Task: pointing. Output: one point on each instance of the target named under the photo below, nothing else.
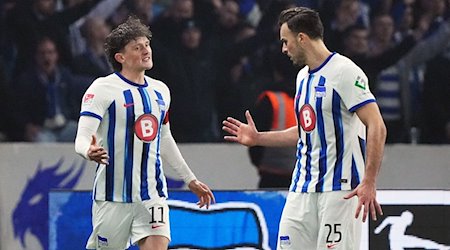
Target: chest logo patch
(146, 127)
(321, 91)
(307, 118)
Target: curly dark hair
(302, 19)
(119, 37)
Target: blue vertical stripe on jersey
(129, 147)
(300, 145)
(339, 135)
(308, 164)
(94, 192)
(323, 141)
(297, 105)
(109, 189)
(159, 183)
(145, 147)
(308, 141)
(298, 166)
(362, 146)
(355, 175)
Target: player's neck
(134, 76)
(317, 54)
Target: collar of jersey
(130, 82)
(323, 64)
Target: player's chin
(147, 65)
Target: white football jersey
(331, 145)
(131, 118)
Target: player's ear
(119, 57)
(300, 37)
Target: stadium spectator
(7, 48)
(345, 14)
(411, 68)
(388, 89)
(435, 113)
(398, 88)
(227, 25)
(103, 10)
(191, 79)
(234, 42)
(356, 47)
(274, 110)
(93, 62)
(47, 95)
(41, 18)
(168, 26)
(6, 122)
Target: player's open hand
(242, 133)
(366, 193)
(97, 153)
(204, 194)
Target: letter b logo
(307, 118)
(146, 127)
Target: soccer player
(124, 127)
(335, 110)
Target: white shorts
(312, 221)
(116, 225)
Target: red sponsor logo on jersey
(331, 245)
(156, 226)
(307, 118)
(146, 127)
(88, 98)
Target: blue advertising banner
(416, 209)
(240, 219)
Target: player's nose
(147, 50)
(284, 49)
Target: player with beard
(340, 138)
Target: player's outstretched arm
(247, 134)
(172, 156)
(204, 194)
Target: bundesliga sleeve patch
(88, 99)
(360, 83)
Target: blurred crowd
(217, 57)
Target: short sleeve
(353, 88)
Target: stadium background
(418, 174)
